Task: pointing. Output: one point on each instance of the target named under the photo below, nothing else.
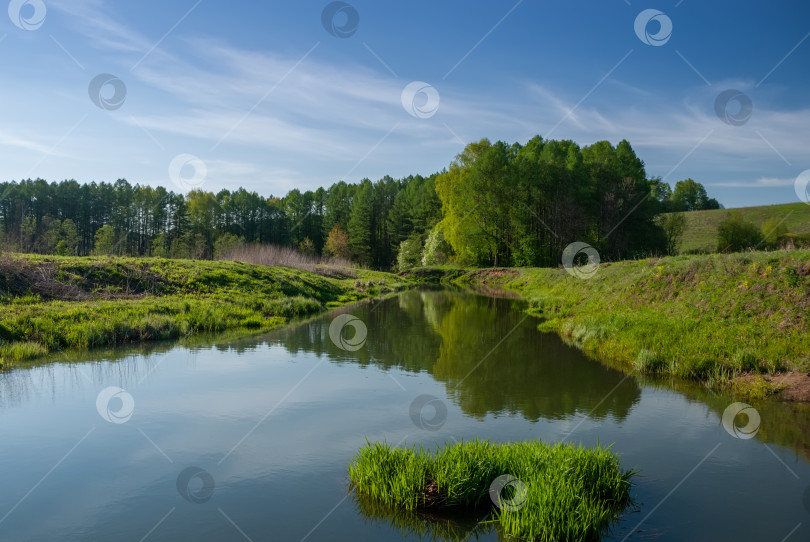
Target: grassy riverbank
(708, 318)
(559, 492)
(50, 303)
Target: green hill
(701, 226)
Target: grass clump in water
(557, 492)
(22, 351)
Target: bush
(436, 249)
(105, 243)
(773, 231)
(337, 244)
(735, 234)
(410, 253)
(225, 244)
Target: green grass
(704, 317)
(20, 351)
(756, 388)
(701, 226)
(52, 303)
(568, 492)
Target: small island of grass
(536, 491)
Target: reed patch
(534, 491)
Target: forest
(495, 204)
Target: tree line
(496, 204)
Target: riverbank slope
(718, 318)
(51, 303)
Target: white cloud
(762, 182)
(14, 140)
(322, 117)
(94, 22)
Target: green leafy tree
(182, 246)
(159, 247)
(674, 225)
(689, 195)
(735, 234)
(436, 249)
(661, 192)
(476, 203)
(337, 243)
(28, 232)
(338, 206)
(202, 209)
(104, 241)
(70, 236)
(712, 203)
(49, 236)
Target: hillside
(701, 226)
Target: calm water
(268, 424)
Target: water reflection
(485, 350)
(124, 365)
(422, 524)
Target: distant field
(701, 226)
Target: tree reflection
(487, 352)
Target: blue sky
(261, 95)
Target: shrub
(735, 234)
(436, 248)
(226, 243)
(773, 231)
(337, 244)
(409, 256)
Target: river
(249, 438)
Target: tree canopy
(496, 204)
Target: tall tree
(360, 222)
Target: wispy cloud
(14, 140)
(762, 182)
(93, 20)
(328, 114)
